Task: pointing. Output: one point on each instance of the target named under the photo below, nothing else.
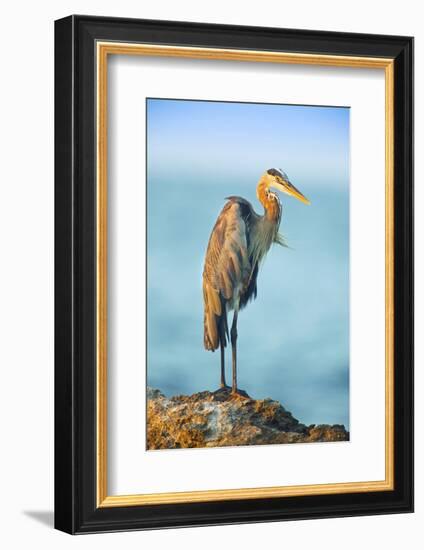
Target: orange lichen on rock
(218, 419)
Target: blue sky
(294, 340)
(242, 138)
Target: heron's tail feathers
(212, 312)
(210, 334)
(215, 318)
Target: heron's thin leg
(222, 345)
(234, 347)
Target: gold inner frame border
(103, 50)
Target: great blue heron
(238, 243)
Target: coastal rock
(218, 419)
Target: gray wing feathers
(226, 267)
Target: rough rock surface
(217, 419)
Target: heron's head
(280, 181)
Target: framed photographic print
(234, 274)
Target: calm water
(294, 339)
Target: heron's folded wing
(227, 259)
(226, 266)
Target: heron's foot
(237, 392)
(223, 388)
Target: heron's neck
(269, 201)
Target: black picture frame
(76, 510)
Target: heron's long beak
(290, 189)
